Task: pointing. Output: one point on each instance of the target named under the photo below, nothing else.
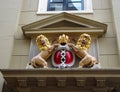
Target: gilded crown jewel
(63, 39)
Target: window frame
(65, 4)
(43, 10)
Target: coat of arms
(63, 52)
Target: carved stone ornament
(63, 52)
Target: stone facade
(14, 46)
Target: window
(70, 6)
(60, 5)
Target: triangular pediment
(64, 23)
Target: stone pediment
(64, 23)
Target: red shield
(69, 58)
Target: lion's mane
(41, 46)
(83, 45)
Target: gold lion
(45, 51)
(83, 42)
(80, 50)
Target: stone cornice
(90, 80)
(64, 23)
(60, 72)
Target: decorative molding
(85, 80)
(81, 82)
(64, 23)
(100, 89)
(22, 82)
(53, 72)
(101, 82)
(61, 82)
(41, 82)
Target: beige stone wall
(108, 49)
(108, 52)
(116, 17)
(21, 44)
(9, 17)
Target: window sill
(56, 12)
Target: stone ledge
(54, 72)
(78, 79)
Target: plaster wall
(9, 17)
(116, 17)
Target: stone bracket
(81, 82)
(41, 82)
(100, 82)
(22, 82)
(61, 82)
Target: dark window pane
(59, 5)
(74, 6)
(56, 0)
(74, 0)
(56, 7)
